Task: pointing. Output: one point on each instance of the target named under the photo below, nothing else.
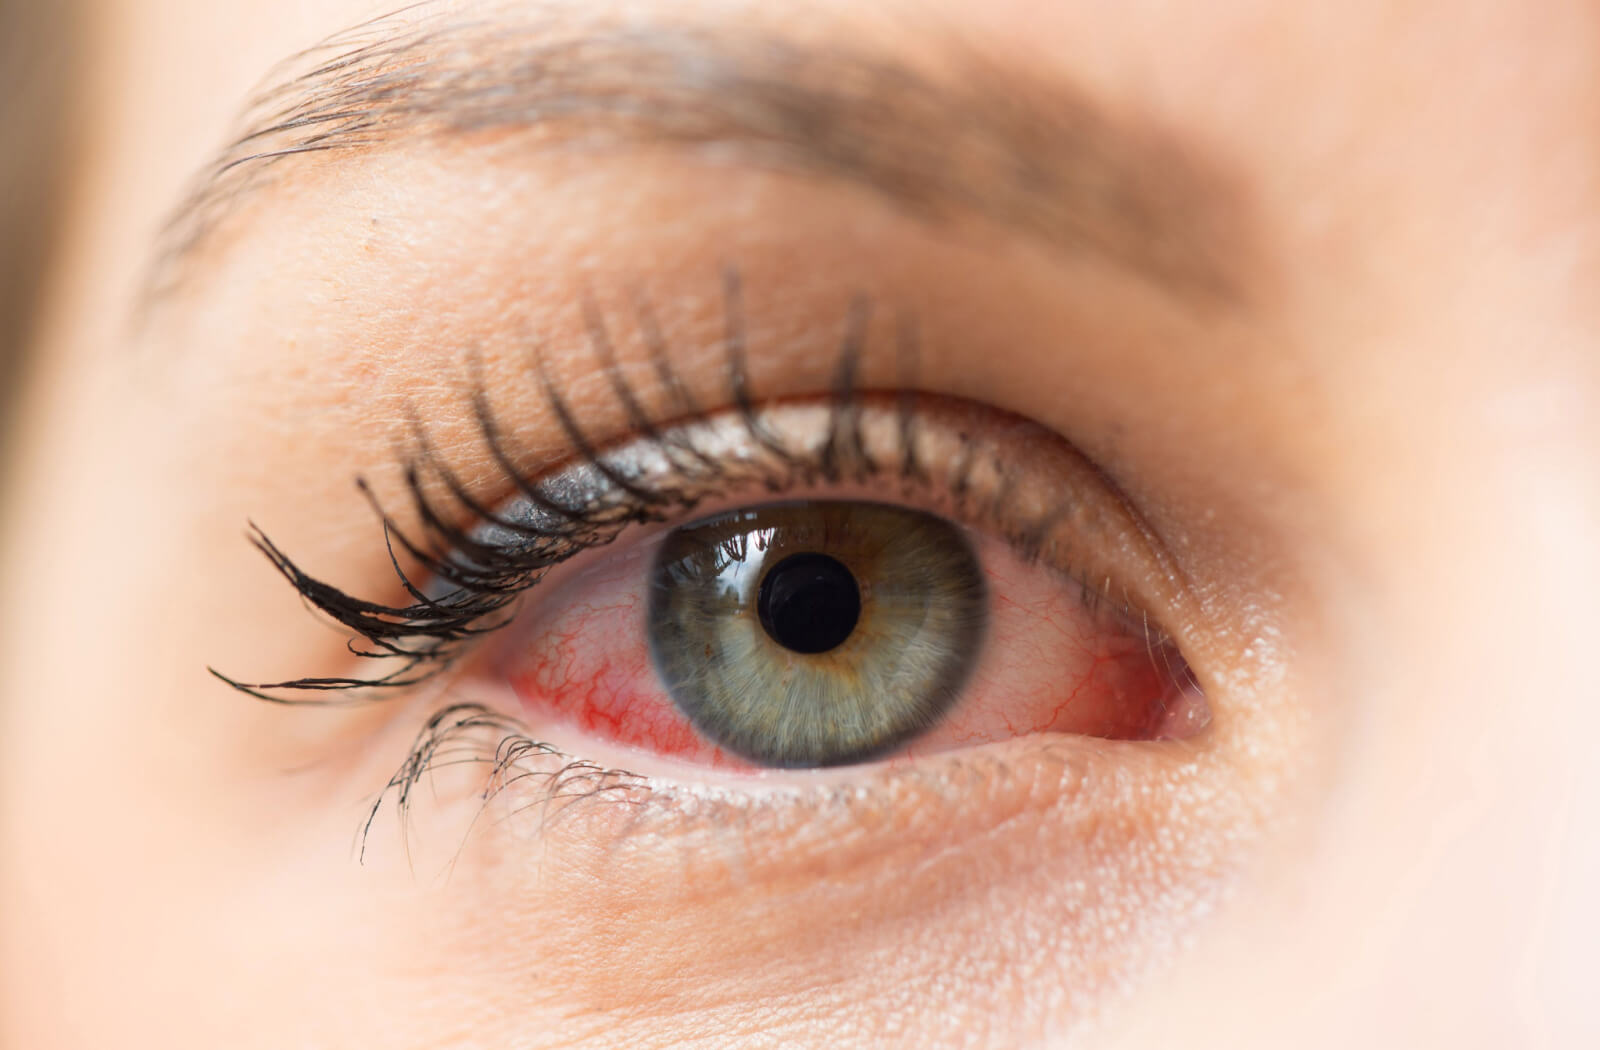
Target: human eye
(723, 650)
(862, 575)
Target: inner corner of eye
(816, 632)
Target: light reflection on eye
(948, 619)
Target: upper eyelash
(425, 636)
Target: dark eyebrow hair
(974, 137)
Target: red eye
(830, 632)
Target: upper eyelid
(555, 525)
(1030, 152)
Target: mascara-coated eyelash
(472, 582)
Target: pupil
(809, 603)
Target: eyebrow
(969, 137)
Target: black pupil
(809, 603)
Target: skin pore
(1310, 290)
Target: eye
(844, 628)
(804, 583)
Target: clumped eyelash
(422, 638)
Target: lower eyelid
(496, 764)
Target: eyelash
(473, 734)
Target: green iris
(815, 633)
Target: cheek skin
(580, 665)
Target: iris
(816, 633)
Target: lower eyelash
(473, 734)
(614, 810)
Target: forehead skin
(1425, 181)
